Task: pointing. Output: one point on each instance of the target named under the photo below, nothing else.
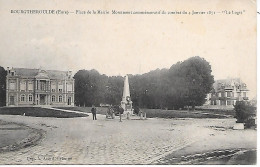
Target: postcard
(132, 82)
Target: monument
(126, 102)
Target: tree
(87, 87)
(190, 82)
(3, 74)
(94, 88)
(114, 90)
(198, 80)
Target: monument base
(127, 106)
(130, 112)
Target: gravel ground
(106, 141)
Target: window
(60, 87)
(244, 94)
(60, 98)
(228, 94)
(12, 85)
(22, 86)
(222, 94)
(53, 98)
(30, 86)
(229, 102)
(22, 97)
(53, 86)
(42, 85)
(30, 98)
(47, 87)
(69, 87)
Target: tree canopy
(2, 86)
(94, 88)
(184, 84)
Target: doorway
(42, 99)
(69, 101)
(11, 100)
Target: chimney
(69, 73)
(8, 71)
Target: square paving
(107, 141)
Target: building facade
(227, 92)
(37, 87)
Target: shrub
(39, 112)
(136, 110)
(244, 112)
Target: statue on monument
(126, 102)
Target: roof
(26, 72)
(229, 84)
(38, 73)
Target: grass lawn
(38, 112)
(230, 112)
(152, 113)
(100, 110)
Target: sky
(130, 44)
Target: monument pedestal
(127, 106)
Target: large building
(226, 92)
(37, 87)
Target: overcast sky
(135, 44)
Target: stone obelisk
(126, 102)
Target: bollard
(145, 115)
(141, 116)
(128, 115)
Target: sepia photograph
(111, 82)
